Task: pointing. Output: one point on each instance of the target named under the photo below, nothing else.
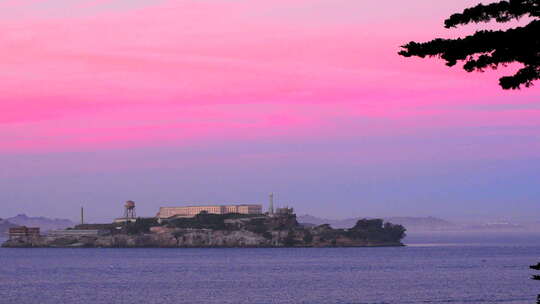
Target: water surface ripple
(415, 274)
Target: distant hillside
(423, 223)
(498, 226)
(4, 227)
(42, 222)
(411, 223)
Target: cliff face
(194, 238)
(240, 232)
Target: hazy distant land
(44, 223)
(426, 224)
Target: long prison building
(191, 211)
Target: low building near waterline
(76, 232)
(23, 232)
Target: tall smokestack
(271, 204)
(82, 215)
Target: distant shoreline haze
(412, 224)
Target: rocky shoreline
(188, 239)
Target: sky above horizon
(168, 102)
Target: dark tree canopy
(491, 48)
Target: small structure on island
(285, 211)
(271, 205)
(129, 213)
(23, 232)
(277, 211)
(130, 210)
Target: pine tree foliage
(491, 48)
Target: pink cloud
(194, 71)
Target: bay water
(433, 268)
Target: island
(207, 230)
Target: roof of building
(217, 205)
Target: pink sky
(108, 76)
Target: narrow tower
(82, 215)
(129, 212)
(271, 204)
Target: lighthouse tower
(271, 204)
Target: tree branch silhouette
(491, 48)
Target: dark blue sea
(484, 268)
